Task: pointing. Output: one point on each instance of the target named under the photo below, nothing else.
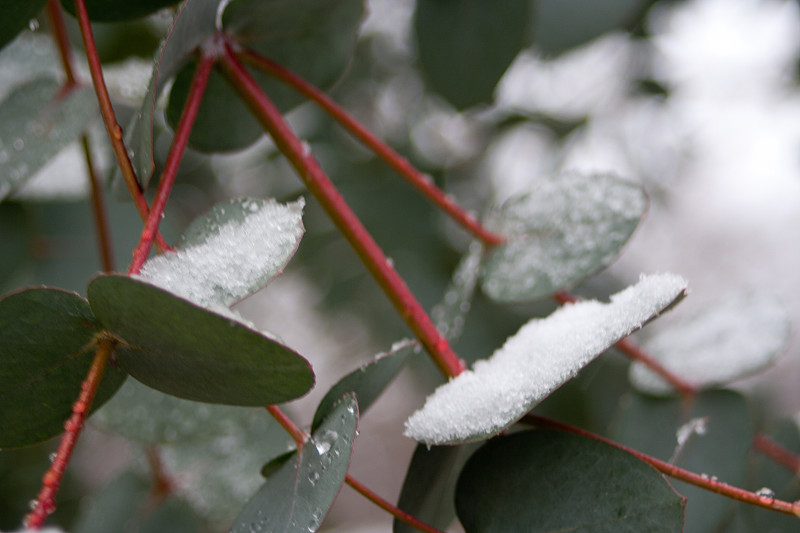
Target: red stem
(98, 202)
(777, 453)
(46, 501)
(109, 118)
(188, 115)
(400, 164)
(629, 348)
(301, 437)
(342, 216)
(386, 506)
(702, 481)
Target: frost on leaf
(231, 252)
(736, 336)
(562, 230)
(541, 356)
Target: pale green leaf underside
(563, 229)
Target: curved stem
(400, 164)
(342, 216)
(777, 453)
(188, 115)
(46, 500)
(698, 480)
(109, 118)
(300, 437)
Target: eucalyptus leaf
(36, 123)
(367, 382)
(16, 16)
(174, 346)
(719, 450)
(733, 337)
(543, 355)
(465, 47)
(549, 481)
(450, 314)
(297, 497)
(47, 341)
(563, 229)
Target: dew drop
(313, 477)
(52, 457)
(33, 24)
(19, 144)
(32, 504)
(766, 495)
(306, 148)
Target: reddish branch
(699, 480)
(342, 216)
(777, 453)
(46, 501)
(301, 437)
(401, 165)
(98, 203)
(188, 115)
(109, 118)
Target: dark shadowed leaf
(16, 15)
(123, 506)
(721, 451)
(179, 348)
(16, 234)
(564, 229)
(560, 25)
(194, 22)
(36, 123)
(430, 485)
(113, 10)
(46, 349)
(549, 481)
(366, 382)
(315, 39)
(297, 497)
(465, 47)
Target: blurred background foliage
(698, 99)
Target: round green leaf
(36, 123)
(733, 337)
(315, 39)
(179, 348)
(651, 425)
(15, 17)
(564, 229)
(114, 10)
(366, 382)
(297, 497)
(550, 481)
(465, 47)
(46, 348)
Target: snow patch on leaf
(230, 253)
(736, 336)
(540, 357)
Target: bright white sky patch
(736, 337)
(542, 355)
(230, 253)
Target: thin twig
(109, 118)
(342, 216)
(179, 142)
(46, 501)
(400, 164)
(299, 436)
(698, 480)
(777, 453)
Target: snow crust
(737, 336)
(540, 357)
(229, 254)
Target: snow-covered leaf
(540, 357)
(565, 228)
(297, 497)
(544, 481)
(230, 253)
(736, 336)
(36, 122)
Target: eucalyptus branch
(400, 164)
(188, 115)
(698, 480)
(777, 453)
(342, 216)
(46, 500)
